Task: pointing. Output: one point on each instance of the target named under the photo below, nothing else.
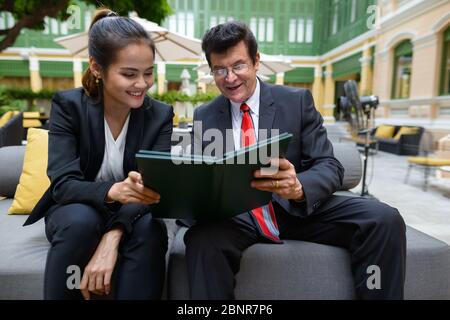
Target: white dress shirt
(112, 165)
(236, 115)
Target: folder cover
(202, 187)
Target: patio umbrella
(268, 65)
(170, 46)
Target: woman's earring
(96, 80)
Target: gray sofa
(294, 270)
(11, 132)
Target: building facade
(396, 49)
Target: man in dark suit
(303, 206)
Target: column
(161, 77)
(317, 89)
(366, 72)
(35, 77)
(279, 78)
(328, 105)
(77, 72)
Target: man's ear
(94, 67)
(257, 58)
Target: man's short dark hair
(225, 36)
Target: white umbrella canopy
(268, 65)
(170, 46)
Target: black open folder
(199, 187)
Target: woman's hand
(132, 190)
(97, 274)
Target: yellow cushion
(384, 131)
(432, 162)
(31, 123)
(5, 118)
(31, 114)
(33, 181)
(406, 130)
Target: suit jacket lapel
(224, 123)
(95, 116)
(266, 110)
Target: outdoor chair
(425, 160)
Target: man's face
(239, 82)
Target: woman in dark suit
(97, 206)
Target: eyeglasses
(237, 70)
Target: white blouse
(112, 165)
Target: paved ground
(426, 211)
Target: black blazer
(290, 110)
(77, 145)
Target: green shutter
(14, 68)
(173, 71)
(404, 49)
(347, 66)
(56, 69)
(444, 63)
(447, 35)
(85, 65)
(300, 75)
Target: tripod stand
(366, 132)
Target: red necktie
(265, 215)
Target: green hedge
(171, 97)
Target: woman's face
(127, 80)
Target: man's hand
(284, 182)
(97, 274)
(132, 190)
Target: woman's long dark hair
(108, 34)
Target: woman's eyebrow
(134, 69)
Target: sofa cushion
(11, 163)
(305, 270)
(350, 159)
(23, 252)
(406, 130)
(385, 131)
(33, 180)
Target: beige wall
(423, 26)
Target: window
(334, 25)
(269, 30)
(445, 71)
(2, 21)
(87, 20)
(54, 26)
(353, 11)
(213, 21)
(64, 29)
(190, 24)
(11, 22)
(253, 25)
(309, 30)
(262, 29)
(181, 23)
(173, 23)
(46, 23)
(301, 30)
(403, 55)
(292, 30)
